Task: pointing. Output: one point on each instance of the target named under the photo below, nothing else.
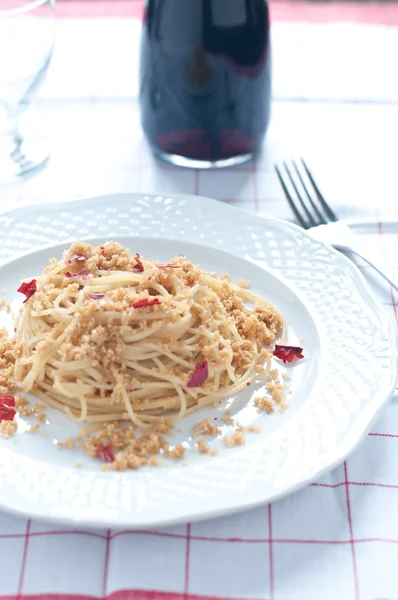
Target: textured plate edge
(356, 433)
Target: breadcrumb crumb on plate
(236, 439)
(8, 428)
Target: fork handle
(379, 266)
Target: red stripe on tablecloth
(349, 516)
(274, 540)
(106, 565)
(197, 182)
(271, 555)
(296, 11)
(99, 8)
(134, 595)
(24, 558)
(187, 559)
(372, 13)
(359, 483)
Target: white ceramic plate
(349, 370)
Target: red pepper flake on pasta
(80, 275)
(167, 266)
(288, 354)
(199, 376)
(28, 289)
(97, 296)
(7, 407)
(75, 258)
(8, 400)
(145, 302)
(138, 267)
(105, 453)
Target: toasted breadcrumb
(7, 428)
(254, 429)
(177, 452)
(163, 426)
(202, 446)
(7, 362)
(228, 421)
(275, 388)
(79, 465)
(206, 427)
(264, 404)
(244, 284)
(42, 417)
(213, 452)
(26, 411)
(236, 439)
(34, 427)
(23, 407)
(286, 377)
(153, 461)
(4, 305)
(21, 401)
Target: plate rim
(353, 436)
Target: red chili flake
(168, 266)
(80, 275)
(105, 453)
(102, 248)
(199, 376)
(97, 296)
(75, 258)
(7, 407)
(7, 400)
(28, 289)
(7, 413)
(138, 267)
(146, 302)
(248, 383)
(288, 353)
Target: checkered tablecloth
(338, 538)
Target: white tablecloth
(338, 538)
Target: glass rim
(12, 12)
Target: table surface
(336, 104)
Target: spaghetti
(108, 336)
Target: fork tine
(311, 220)
(320, 217)
(332, 216)
(289, 198)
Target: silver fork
(313, 213)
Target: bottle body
(205, 79)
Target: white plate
(349, 371)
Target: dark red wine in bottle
(205, 80)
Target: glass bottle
(205, 80)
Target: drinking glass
(27, 29)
